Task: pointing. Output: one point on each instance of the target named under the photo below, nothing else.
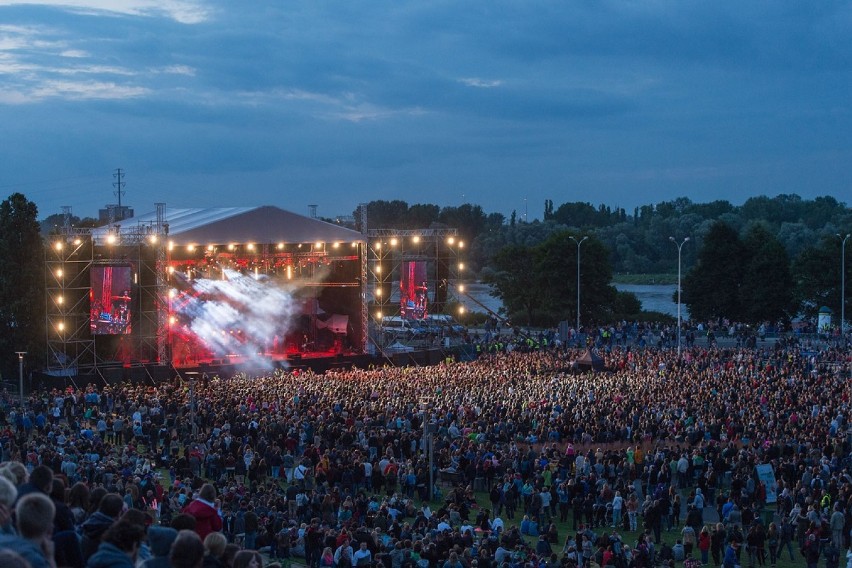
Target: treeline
(638, 241)
(769, 258)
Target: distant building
(114, 213)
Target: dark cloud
(493, 102)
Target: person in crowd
(109, 509)
(160, 540)
(119, 547)
(34, 524)
(187, 550)
(203, 509)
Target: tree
(21, 283)
(766, 291)
(712, 288)
(816, 277)
(514, 280)
(538, 284)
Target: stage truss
(71, 255)
(388, 252)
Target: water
(654, 297)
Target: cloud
(182, 11)
(179, 70)
(481, 83)
(88, 90)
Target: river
(654, 297)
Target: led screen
(111, 300)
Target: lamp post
(843, 283)
(580, 242)
(21, 375)
(679, 246)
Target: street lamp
(21, 375)
(580, 242)
(679, 247)
(843, 283)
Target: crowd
(729, 456)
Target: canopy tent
(590, 361)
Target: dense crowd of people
(729, 456)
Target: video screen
(413, 297)
(110, 300)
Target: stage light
(415, 239)
(461, 266)
(336, 245)
(110, 239)
(59, 299)
(77, 242)
(210, 248)
(300, 245)
(172, 320)
(461, 309)
(172, 293)
(379, 269)
(451, 240)
(171, 270)
(59, 273)
(58, 245)
(289, 273)
(379, 246)
(461, 287)
(378, 291)
(60, 326)
(393, 242)
(171, 245)
(250, 246)
(319, 244)
(354, 244)
(153, 239)
(461, 244)
(231, 247)
(378, 315)
(190, 248)
(280, 246)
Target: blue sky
(290, 103)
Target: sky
(504, 104)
